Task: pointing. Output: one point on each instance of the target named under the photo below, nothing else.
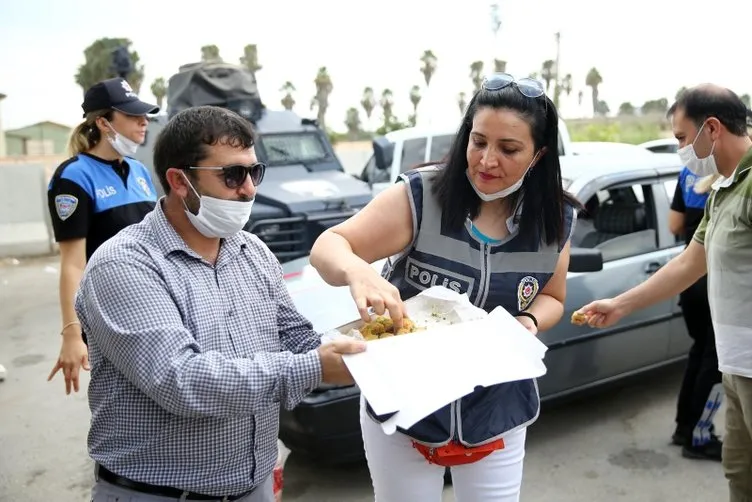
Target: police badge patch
(689, 182)
(144, 186)
(65, 205)
(526, 291)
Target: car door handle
(652, 267)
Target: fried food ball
(386, 322)
(408, 325)
(383, 327)
(578, 318)
(372, 330)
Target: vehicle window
(670, 186)
(664, 148)
(293, 148)
(413, 152)
(619, 221)
(440, 147)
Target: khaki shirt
(726, 233)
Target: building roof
(22, 131)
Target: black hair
(542, 216)
(703, 102)
(185, 139)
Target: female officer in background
(93, 195)
(495, 222)
(701, 391)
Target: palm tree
(368, 101)
(159, 89)
(462, 102)
(210, 53)
(500, 66)
(324, 89)
(387, 104)
(476, 74)
(593, 80)
(548, 73)
(250, 59)
(352, 122)
(566, 84)
(428, 59)
(288, 102)
(415, 100)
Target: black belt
(162, 491)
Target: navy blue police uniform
(508, 273)
(689, 203)
(701, 387)
(93, 198)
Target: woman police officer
(495, 221)
(93, 195)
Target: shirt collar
(117, 165)
(170, 241)
(744, 166)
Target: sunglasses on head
(527, 86)
(235, 176)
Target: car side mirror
(383, 153)
(585, 260)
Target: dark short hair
(702, 102)
(542, 217)
(185, 139)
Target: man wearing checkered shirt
(194, 342)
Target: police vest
(509, 274)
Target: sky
(644, 49)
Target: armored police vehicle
(305, 188)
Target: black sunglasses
(527, 86)
(235, 176)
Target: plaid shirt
(190, 361)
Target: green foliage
(210, 53)
(634, 132)
(394, 124)
(159, 89)
(98, 65)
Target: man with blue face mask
(710, 123)
(194, 341)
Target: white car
(663, 145)
(606, 148)
(399, 151)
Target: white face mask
(488, 197)
(121, 144)
(219, 218)
(699, 167)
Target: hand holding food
(600, 313)
(369, 289)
